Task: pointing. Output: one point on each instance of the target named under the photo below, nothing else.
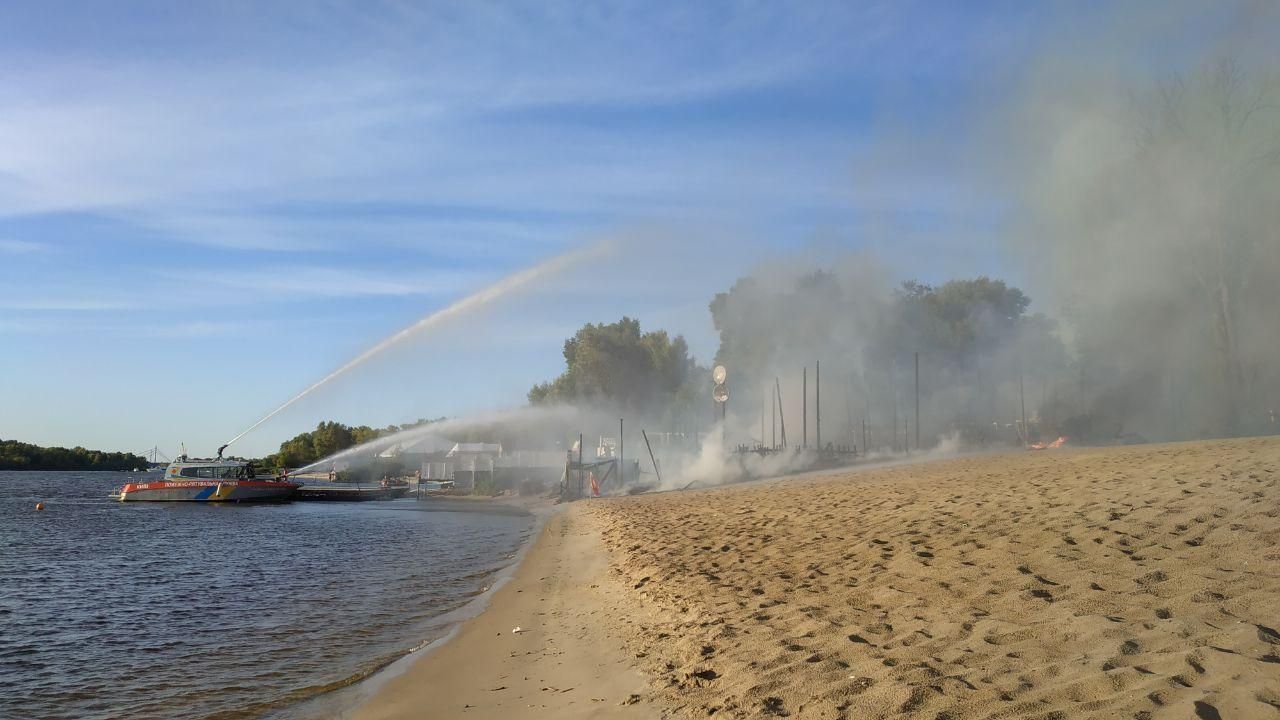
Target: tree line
(328, 438)
(16, 455)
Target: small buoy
(39, 506)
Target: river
(194, 610)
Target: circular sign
(719, 374)
(720, 393)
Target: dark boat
(350, 492)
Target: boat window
(226, 472)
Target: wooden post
(917, 401)
(621, 476)
(866, 412)
(580, 448)
(773, 424)
(656, 470)
(782, 414)
(1023, 401)
(893, 385)
(804, 407)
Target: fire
(1062, 440)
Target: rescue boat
(207, 480)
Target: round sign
(719, 374)
(720, 393)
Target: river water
(193, 610)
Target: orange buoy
(39, 506)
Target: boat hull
(207, 491)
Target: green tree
(16, 455)
(619, 366)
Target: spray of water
(368, 450)
(467, 305)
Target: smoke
(825, 355)
(1139, 176)
(1149, 211)
(533, 426)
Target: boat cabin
(209, 470)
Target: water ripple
(202, 611)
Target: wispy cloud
(70, 304)
(194, 330)
(435, 115)
(394, 280)
(22, 247)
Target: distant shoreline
(16, 455)
(131, 471)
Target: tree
(619, 366)
(973, 338)
(16, 455)
(1160, 235)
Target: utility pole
(893, 427)
(1023, 401)
(804, 408)
(917, 401)
(782, 413)
(817, 401)
(773, 423)
(866, 413)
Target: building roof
(425, 445)
(476, 449)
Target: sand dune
(1126, 582)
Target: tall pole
(656, 470)
(817, 402)
(773, 423)
(893, 383)
(621, 477)
(761, 424)
(917, 401)
(782, 413)
(804, 407)
(580, 485)
(1023, 401)
(866, 413)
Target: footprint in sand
(1205, 711)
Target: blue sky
(204, 207)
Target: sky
(205, 207)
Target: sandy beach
(1137, 582)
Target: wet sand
(1122, 582)
(562, 664)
